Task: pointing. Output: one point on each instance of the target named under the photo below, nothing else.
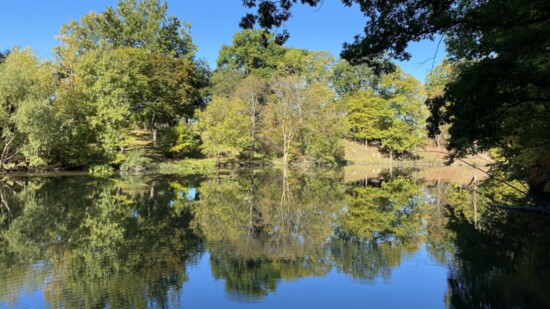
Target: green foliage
(189, 167)
(142, 24)
(101, 170)
(348, 79)
(253, 91)
(224, 126)
(393, 210)
(136, 161)
(311, 66)
(366, 115)
(391, 113)
(435, 87)
(304, 117)
(406, 124)
(224, 81)
(251, 52)
(28, 120)
(323, 126)
(179, 141)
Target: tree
(224, 127)
(28, 122)
(172, 92)
(366, 114)
(311, 66)
(253, 91)
(142, 24)
(501, 91)
(406, 122)
(323, 126)
(111, 81)
(302, 120)
(349, 79)
(224, 81)
(171, 83)
(435, 87)
(251, 52)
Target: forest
(133, 69)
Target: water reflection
(124, 242)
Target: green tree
(224, 82)
(435, 87)
(323, 126)
(366, 114)
(302, 119)
(111, 81)
(180, 141)
(28, 122)
(171, 81)
(406, 124)
(311, 66)
(142, 24)
(251, 51)
(348, 79)
(172, 92)
(224, 127)
(253, 91)
(502, 62)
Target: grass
(356, 153)
(188, 167)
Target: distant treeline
(134, 68)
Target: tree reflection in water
(127, 241)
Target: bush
(136, 161)
(189, 167)
(100, 170)
(179, 141)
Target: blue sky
(35, 23)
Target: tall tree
(171, 80)
(284, 112)
(133, 23)
(301, 119)
(366, 114)
(349, 79)
(224, 127)
(253, 91)
(435, 87)
(28, 126)
(406, 124)
(501, 49)
(251, 51)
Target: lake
(353, 237)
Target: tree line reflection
(128, 241)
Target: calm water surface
(351, 238)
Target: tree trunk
(154, 135)
(366, 143)
(475, 204)
(152, 192)
(285, 150)
(391, 163)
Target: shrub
(136, 161)
(100, 170)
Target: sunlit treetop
(136, 24)
(471, 28)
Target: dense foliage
(499, 92)
(126, 87)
